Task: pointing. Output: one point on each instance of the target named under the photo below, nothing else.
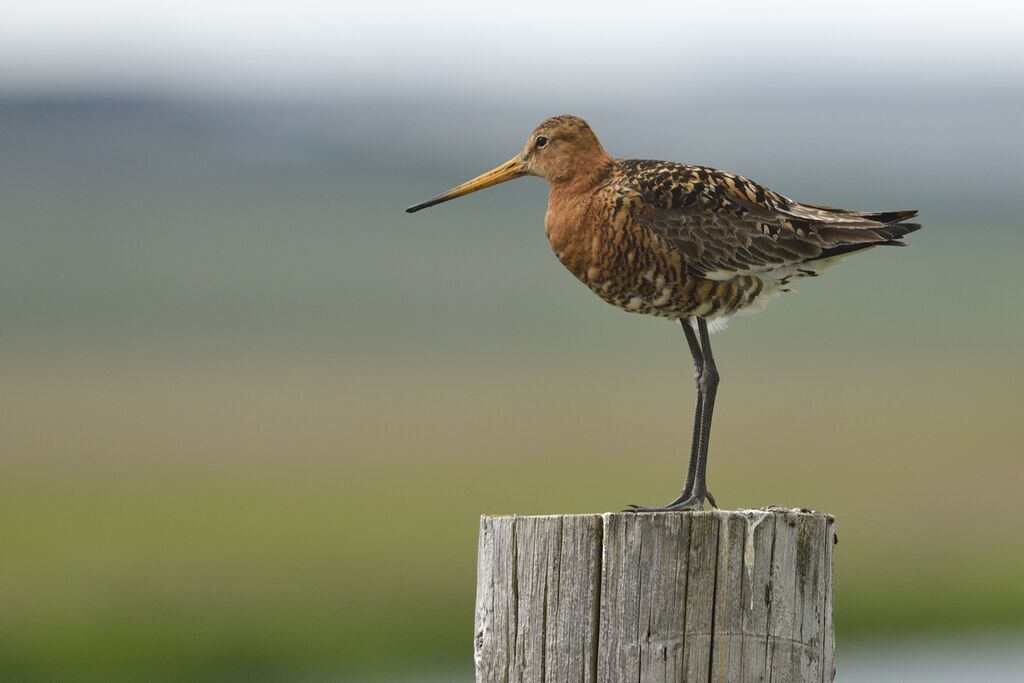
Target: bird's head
(561, 149)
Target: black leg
(695, 490)
(698, 366)
(709, 389)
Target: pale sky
(263, 46)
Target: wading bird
(678, 241)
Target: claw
(690, 504)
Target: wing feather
(725, 225)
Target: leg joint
(709, 377)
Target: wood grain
(727, 596)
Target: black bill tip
(429, 202)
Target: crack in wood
(662, 598)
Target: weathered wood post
(704, 596)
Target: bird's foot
(690, 504)
(681, 504)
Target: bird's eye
(541, 141)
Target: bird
(680, 241)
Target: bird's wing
(725, 225)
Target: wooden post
(716, 596)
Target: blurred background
(251, 411)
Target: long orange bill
(510, 170)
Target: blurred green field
(251, 412)
(238, 522)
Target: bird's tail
(851, 231)
(846, 232)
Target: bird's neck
(583, 174)
(569, 200)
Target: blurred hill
(240, 386)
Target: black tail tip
(897, 230)
(893, 216)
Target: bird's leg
(698, 445)
(698, 413)
(709, 389)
